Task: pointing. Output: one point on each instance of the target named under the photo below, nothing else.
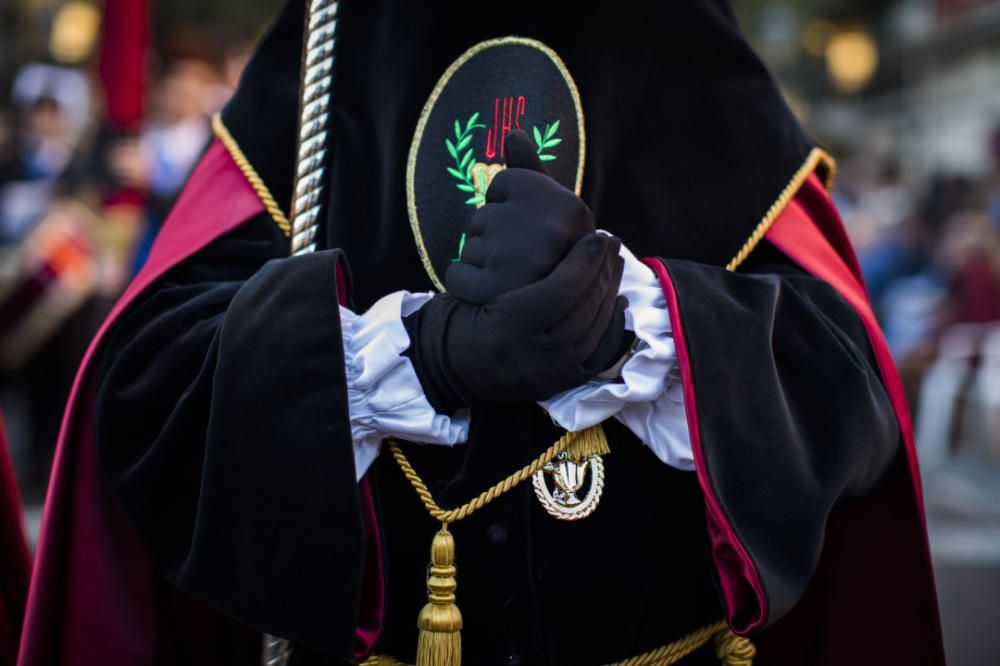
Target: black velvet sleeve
(223, 431)
(792, 412)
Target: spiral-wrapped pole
(316, 87)
(314, 122)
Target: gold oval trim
(411, 162)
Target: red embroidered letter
(491, 134)
(503, 122)
(507, 123)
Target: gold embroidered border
(222, 133)
(411, 162)
(816, 159)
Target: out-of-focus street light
(851, 59)
(74, 32)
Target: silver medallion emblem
(568, 478)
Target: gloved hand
(528, 224)
(527, 344)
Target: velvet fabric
(675, 104)
(96, 597)
(802, 546)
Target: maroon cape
(15, 563)
(93, 598)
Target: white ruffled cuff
(384, 395)
(648, 398)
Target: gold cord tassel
(588, 443)
(733, 650)
(440, 621)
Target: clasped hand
(532, 306)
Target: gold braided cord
(817, 158)
(451, 515)
(222, 133)
(733, 650)
(674, 652)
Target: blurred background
(105, 106)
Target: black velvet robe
(222, 412)
(222, 428)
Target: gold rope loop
(256, 182)
(674, 652)
(451, 515)
(733, 650)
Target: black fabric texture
(261, 114)
(223, 430)
(794, 418)
(528, 344)
(223, 425)
(689, 141)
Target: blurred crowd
(80, 203)
(930, 253)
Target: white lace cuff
(648, 398)
(384, 395)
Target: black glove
(528, 224)
(528, 344)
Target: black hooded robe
(221, 406)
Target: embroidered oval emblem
(493, 88)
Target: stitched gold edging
(222, 132)
(411, 162)
(817, 158)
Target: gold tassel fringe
(587, 444)
(440, 621)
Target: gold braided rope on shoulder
(731, 649)
(817, 158)
(487, 496)
(222, 133)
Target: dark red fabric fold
(15, 562)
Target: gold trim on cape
(222, 133)
(817, 159)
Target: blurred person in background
(968, 256)
(51, 110)
(158, 161)
(47, 258)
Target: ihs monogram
(474, 177)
